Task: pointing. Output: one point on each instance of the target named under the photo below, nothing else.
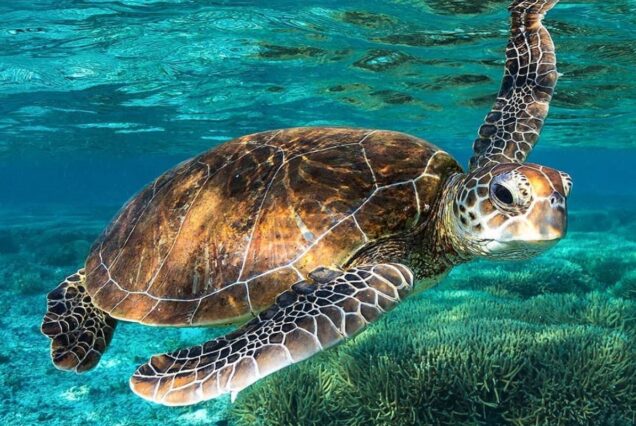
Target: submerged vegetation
(544, 341)
(465, 357)
(548, 341)
(100, 97)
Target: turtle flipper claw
(79, 332)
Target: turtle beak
(546, 224)
(535, 232)
(553, 224)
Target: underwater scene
(99, 97)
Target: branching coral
(465, 357)
(626, 287)
(547, 341)
(606, 257)
(526, 279)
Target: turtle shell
(218, 237)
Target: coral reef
(524, 279)
(545, 341)
(454, 357)
(626, 286)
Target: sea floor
(593, 269)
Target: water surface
(99, 97)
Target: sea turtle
(309, 234)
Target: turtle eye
(502, 194)
(511, 192)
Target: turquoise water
(99, 97)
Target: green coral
(524, 279)
(598, 258)
(626, 286)
(454, 357)
(545, 341)
(604, 256)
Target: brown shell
(220, 236)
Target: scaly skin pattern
(218, 238)
(512, 127)
(304, 320)
(312, 234)
(477, 223)
(79, 332)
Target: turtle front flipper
(78, 330)
(512, 127)
(310, 317)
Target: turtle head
(509, 211)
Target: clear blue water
(99, 97)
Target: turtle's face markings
(511, 211)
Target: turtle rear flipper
(304, 320)
(78, 330)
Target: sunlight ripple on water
(179, 73)
(98, 98)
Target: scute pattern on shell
(300, 324)
(217, 238)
